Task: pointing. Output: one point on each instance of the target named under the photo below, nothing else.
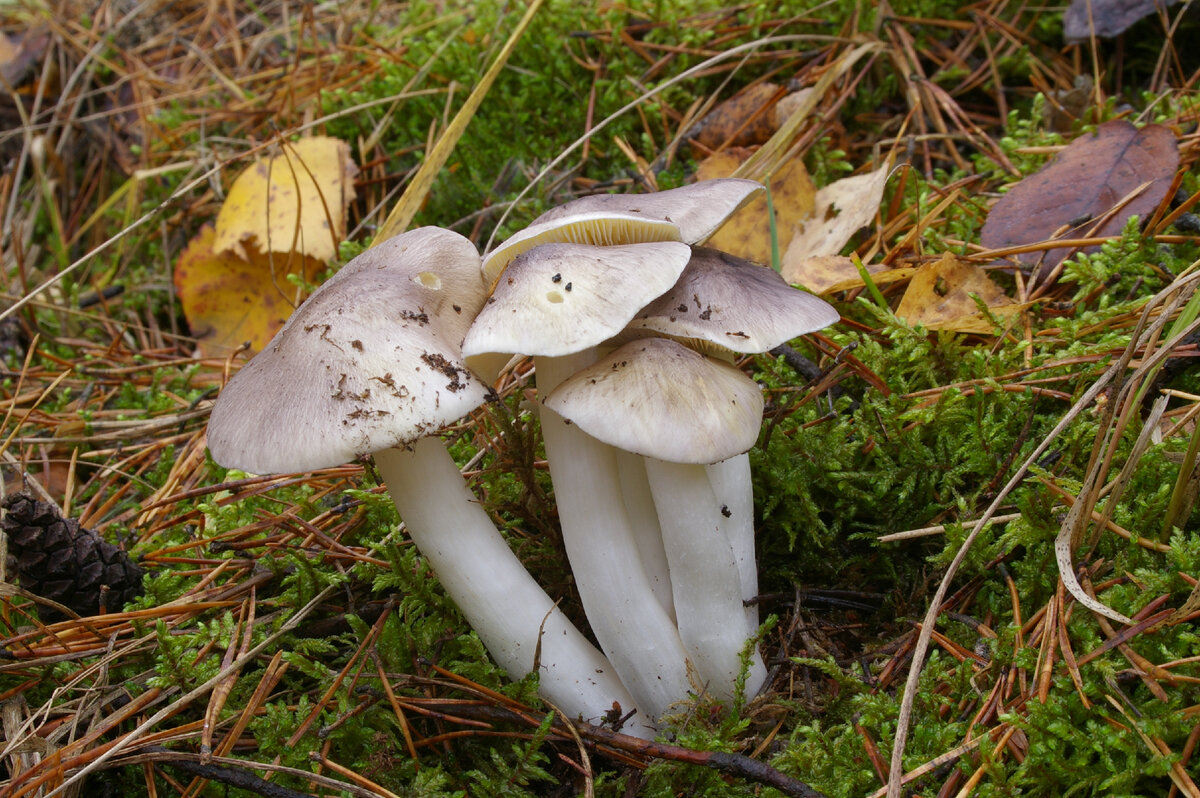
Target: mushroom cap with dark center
(371, 360)
(735, 304)
(697, 209)
(598, 229)
(556, 299)
(658, 398)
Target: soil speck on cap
(420, 318)
(448, 370)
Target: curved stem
(506, 607)
(704, 577)
(633, 629)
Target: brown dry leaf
(1084, 182)
(744, 119)
(790, 103)
(1108, 18)
(19, 54)
(293, 202)
(826, 274)
(747, 233)
(939, 296)
(842, 209)
(229, 300)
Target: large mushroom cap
(372, 360)
(598, 229)
(697, 210)
(733, 303)
(657, 398)
(557, 299)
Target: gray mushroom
(681, 410)
(372, 364)
(532, 311)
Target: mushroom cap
(736, 304)
(556, 299)
(371, 360)
(657, 398)
(697, 209)
(597, 229)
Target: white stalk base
(705, 579)
(635, 631)
(498, 597)
(732, 484)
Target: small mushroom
(372, 364)
(530, 313)
(725, 304)
(688, 214)
(681, 410)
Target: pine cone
(58, 559)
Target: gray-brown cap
(658, 398)
(371, 360)
(733, 303)
(557, 299)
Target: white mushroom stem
(498, 597)
(639, 508)
(705, 578)
(732, 484)
(638, 635)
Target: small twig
(233, 777)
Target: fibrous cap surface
(371, 360)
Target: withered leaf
(842, 209)
(1108, 18)
(827, 274)
(19, 54)
(293, 202)
(744, 119)
(747, 233)
(229, 299)
(943, 296)
(1082, 184)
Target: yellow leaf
(747, 233)
(826, 274)
(941, 297)
(229, 300)
(293, 202)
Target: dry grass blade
(1116, 372)
(418, 190)
(143, 728)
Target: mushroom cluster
(372, 364)
(645, 420)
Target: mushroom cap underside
(697, 210)
(597, 229)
